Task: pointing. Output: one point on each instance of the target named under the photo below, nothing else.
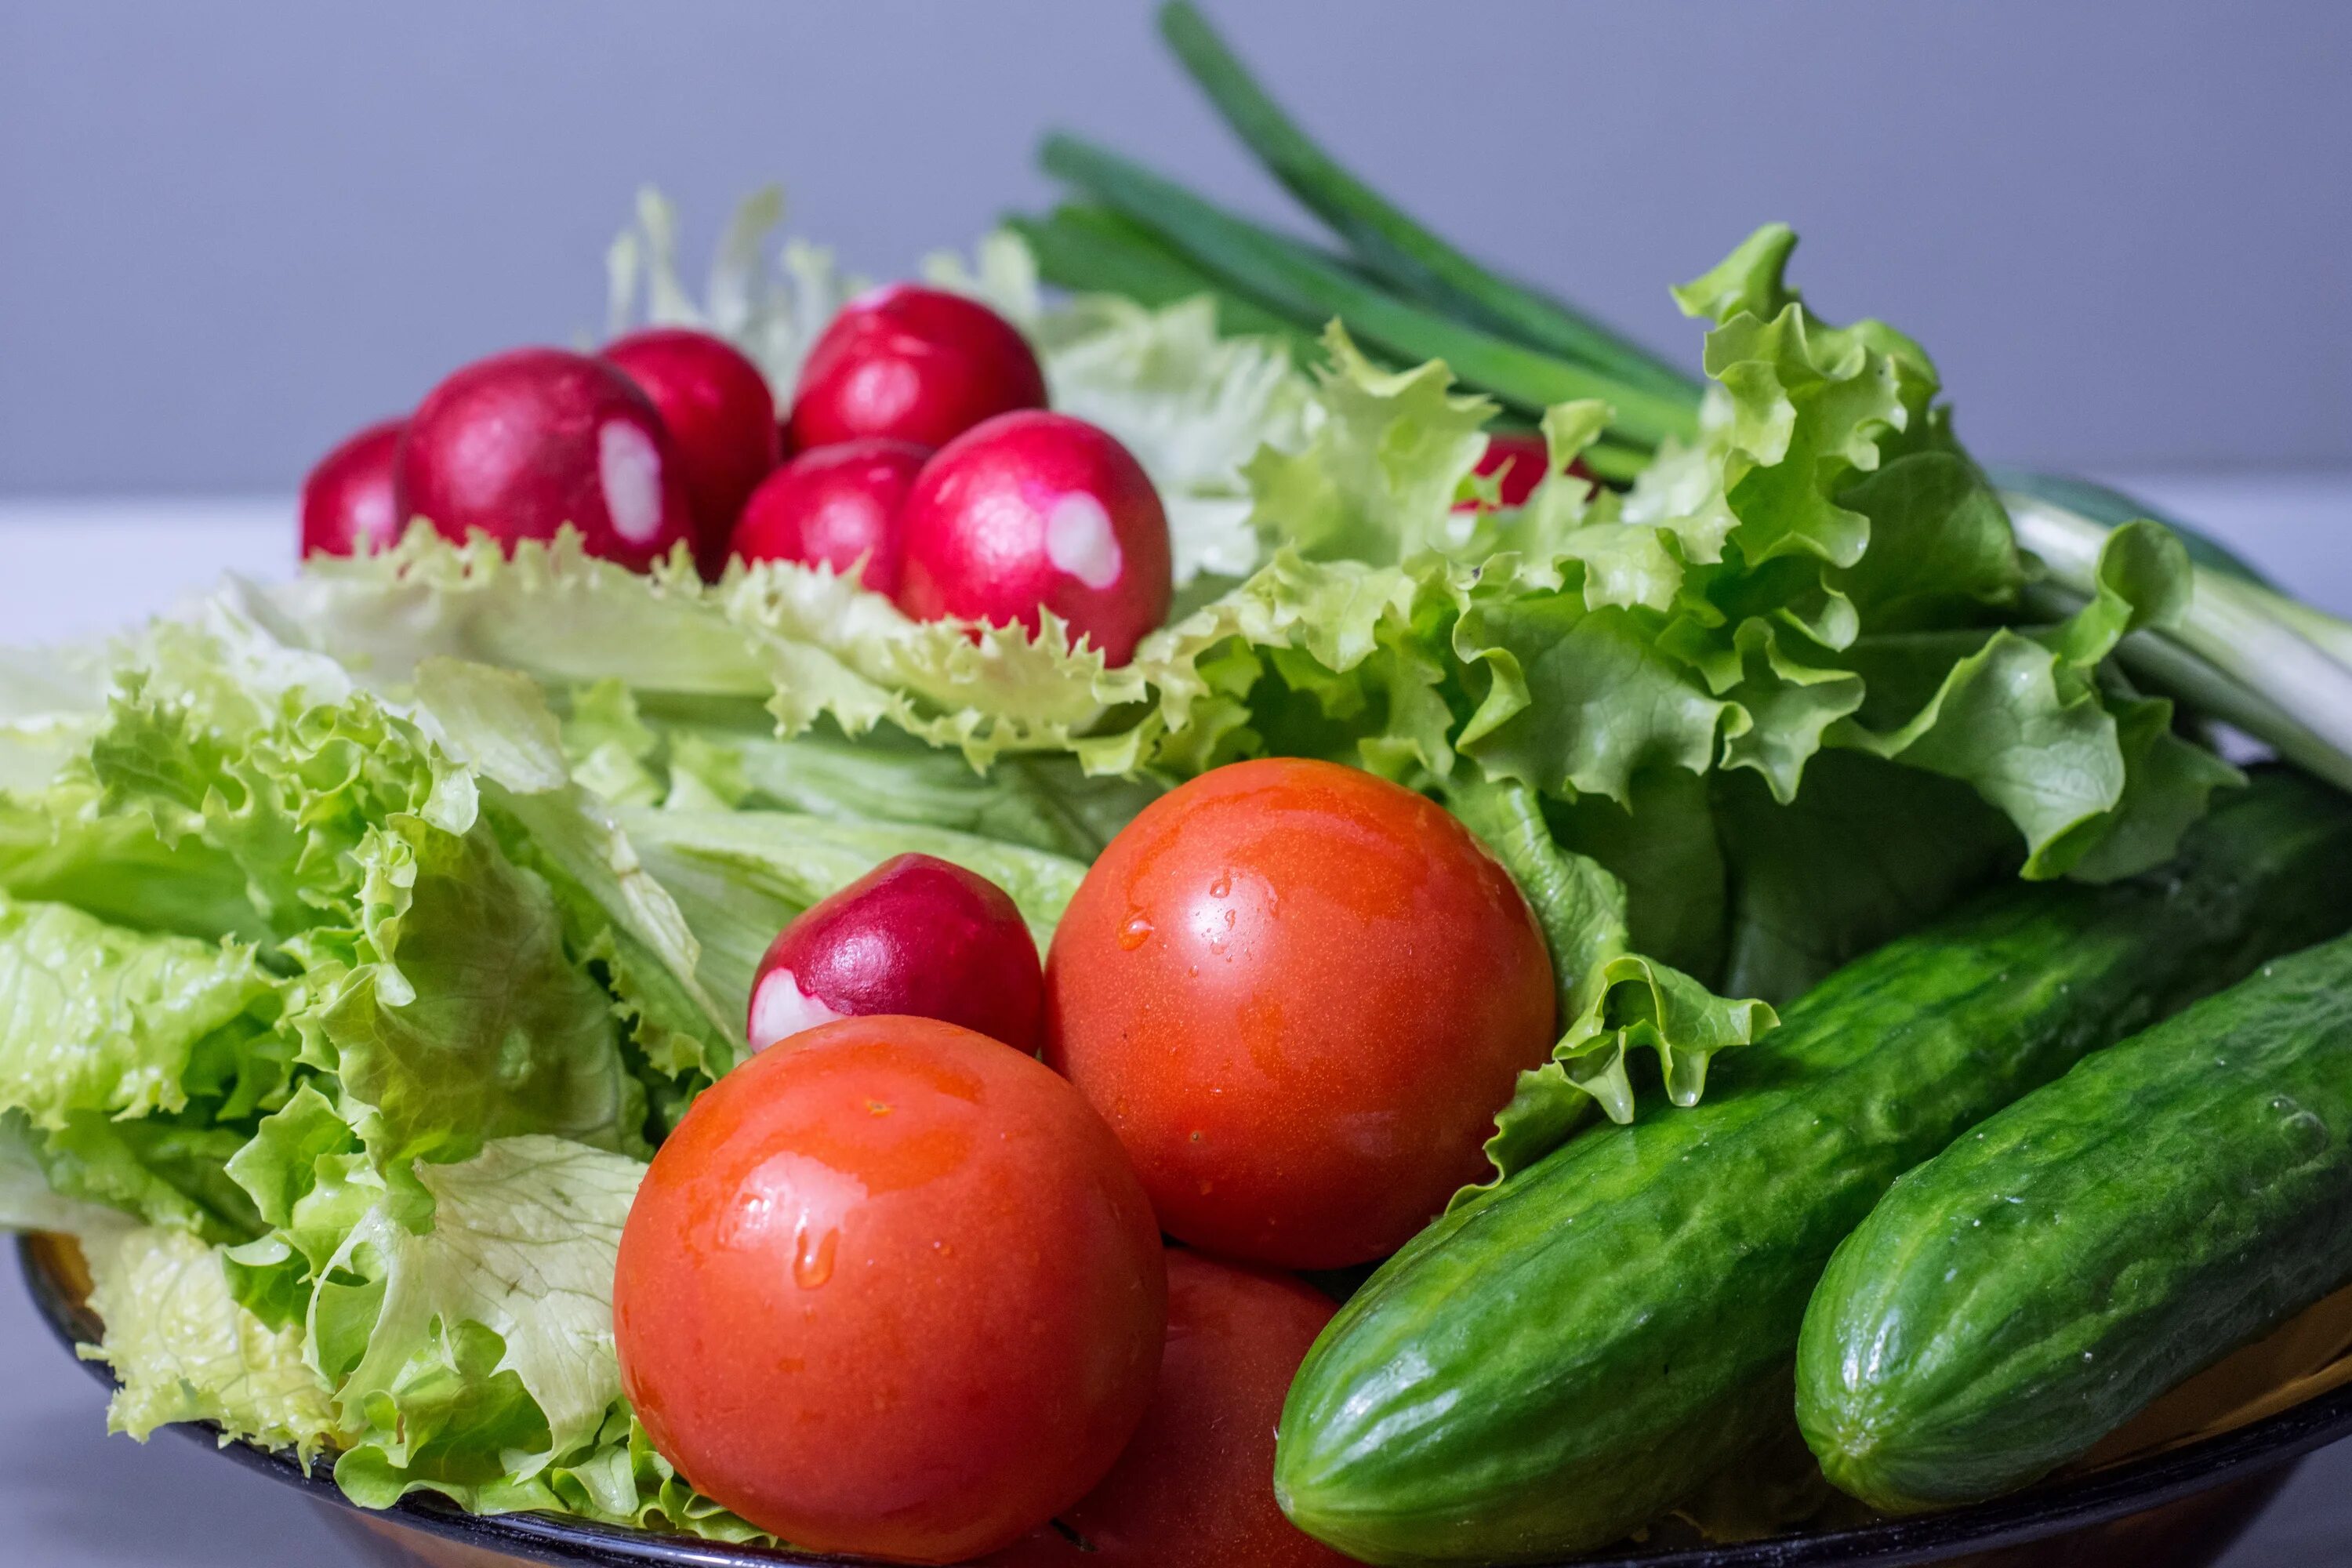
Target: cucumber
(1559, 1360)
(2018, 1297)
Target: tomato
(894, 1291)
(1299, 993)
(1195, 1488)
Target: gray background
(230, 232)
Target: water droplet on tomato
(813, 1258)
(1134, 934)
(1221, 886)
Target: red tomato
(915, 364)
(347, 502)
(1195, 1488)
(892, 1291)
(721, 416)
(1299, 993)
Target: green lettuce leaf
(491, 1354)
(185, 1351)
(94, 1017)
(466, 1019)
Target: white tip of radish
(1079, 541)
(629, 466)
(780, 1009)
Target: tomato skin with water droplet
(895, 1292)
(1336, 990)
(1194, 1490)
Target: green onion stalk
(2245, 655)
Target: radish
(1036, 512)
(347, 501)
(914, 935)
(521, 443)
(1518, 459)
(913, 364)
(838, 504)
(721, 419)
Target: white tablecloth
(71, 1497)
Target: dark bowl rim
(2052, 1509)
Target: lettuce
(491, 1354)
(185, 1351)
(94, 1017)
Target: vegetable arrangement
(547, 1009)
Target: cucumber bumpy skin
(1559, 1361)
(2023, 1293)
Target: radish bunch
(923, 457)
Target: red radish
(521, 443)
(1036, 512)
(914, 935)
(721, 419)
(838, 504)
(913, 364)
(1519, 460)
(347, 501)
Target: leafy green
(490, 1352)
(185, 1351)
(96, 1017)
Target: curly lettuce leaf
(466, 1019)
(185, 1351)
(95, 1018)
(490, 1352)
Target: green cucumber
(2021, 1295)
(1556, 1362)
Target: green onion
(1093, 250)
(1391, 246)
(2281, 671)
(1290, 277)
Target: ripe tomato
(1195, 1488)
(1299, 993)
(892, 1291)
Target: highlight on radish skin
(914, 935)
(722, 419)
(347, 508)
(914, 364)
(521, 443)
(837, 505)
(1033, 511)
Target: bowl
(2179, 1506)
